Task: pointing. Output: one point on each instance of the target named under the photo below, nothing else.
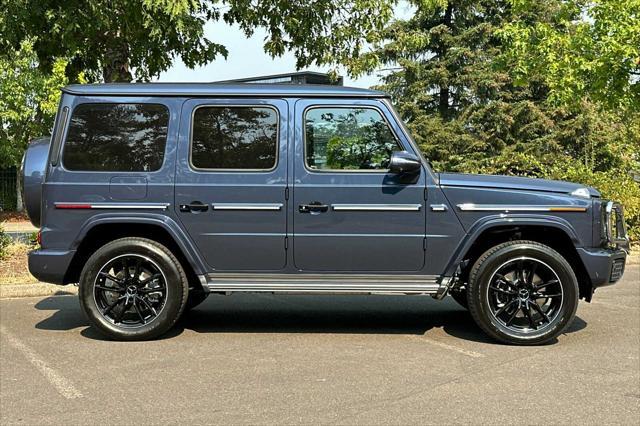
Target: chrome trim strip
(468, 207)
(118, 206)
(328, 277)
(377, 207)
(247, 206)
(430, 289)
(325, 283)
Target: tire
(133, 289)
(195, 298)
(460, 296)
(522, 292)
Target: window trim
(344, 106)
(60, 129)
(220, 170)
(66, 133)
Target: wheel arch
(101, 230)
(555, 234)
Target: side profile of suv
(152, 196)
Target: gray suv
(153, 196)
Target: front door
(349, 213)
(231, 179)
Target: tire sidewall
(485, 270)
(174, 277)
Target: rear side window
(116, 137)
(238, 137)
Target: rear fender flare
(168, 224)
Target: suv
(153, 196)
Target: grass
(13, 267)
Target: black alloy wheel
(522, 292)
(130, 291)
(525, 294)
(133, 289)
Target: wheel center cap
(523, 294)
(132, 289)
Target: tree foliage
(28, 102)
(581, 49)
(122, 40)
(540, 89)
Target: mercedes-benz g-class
(152, 196)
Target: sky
(247, 58)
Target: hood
(512, 182)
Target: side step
(326, 284)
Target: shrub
(5, 242)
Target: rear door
(231, 180)
(350, 214)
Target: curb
(39, 289)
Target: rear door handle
(313, 207)
(194, 207)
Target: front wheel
(522, 292)
(133, 289)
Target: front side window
(348, 139)
(235, 137)
(116, 137)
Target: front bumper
(604, 266)
(50, 266)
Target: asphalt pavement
(263, 359)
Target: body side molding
(325, 283)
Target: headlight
(613, 227)
(581, 192)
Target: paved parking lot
(301, 359)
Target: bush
(5, 242)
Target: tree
(589, 50)
(28, 103)
(121, 40)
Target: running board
(326, 284)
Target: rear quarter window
(234, 138)
(117, 137)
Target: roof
(219, 89)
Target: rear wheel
(133, 289)
(522, 292)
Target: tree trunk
(443, 100)
(19, 203)
(115, 67)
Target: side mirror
(404, 163)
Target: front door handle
(314, 207)
(194, 207)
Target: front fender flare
(501, 220)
